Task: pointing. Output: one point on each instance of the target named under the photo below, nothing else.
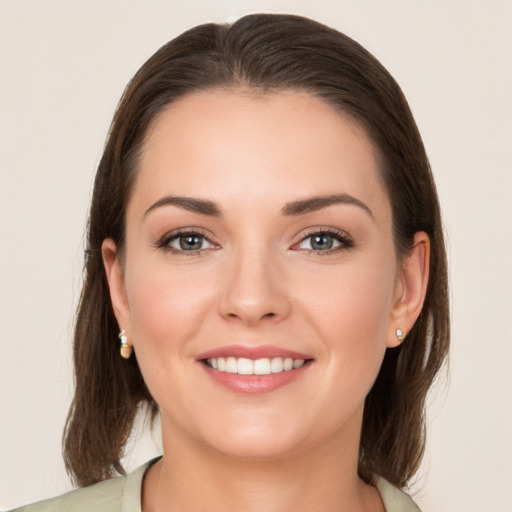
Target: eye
(190, 242)
(324, 241)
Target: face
(259, 283)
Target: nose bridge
(254, 288)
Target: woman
(265, 242)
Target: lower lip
(256, 383)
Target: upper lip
(252, 352)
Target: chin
(262, 448)
(256, 440)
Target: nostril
(266, 315)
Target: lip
(251, 352)
(254, 384)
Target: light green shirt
(123, 494)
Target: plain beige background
(63, 66)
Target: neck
(191, 477)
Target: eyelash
(176, 235)
(341, 237)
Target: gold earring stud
(126, 348)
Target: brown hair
(265, 53)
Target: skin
(257, 280)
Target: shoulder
(394, 499)
(120, 494)
(105, 495)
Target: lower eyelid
(336, 247)
(166, 240)
(343, 240)
(177, 240)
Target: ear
(410, 289)
(116, 284)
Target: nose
(254, 289)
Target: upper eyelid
(323, 230)
(176, 233)
(344, 236)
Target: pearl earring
(126, 348)
(400, 335)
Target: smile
(254, 369)
(245, 366)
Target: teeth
(231, 365)
(276, 365)
(262, 367)
(244, 366)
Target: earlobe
(411, 290)
(116, 283)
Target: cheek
(357, 299)
(166, 309)
(352, 319)
(166, 305)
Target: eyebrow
(312, 204)
(202, 206)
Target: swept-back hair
(262, 53)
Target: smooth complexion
(259, 227)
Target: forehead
(286, 144)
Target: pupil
(190, 242)
(322, 242)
